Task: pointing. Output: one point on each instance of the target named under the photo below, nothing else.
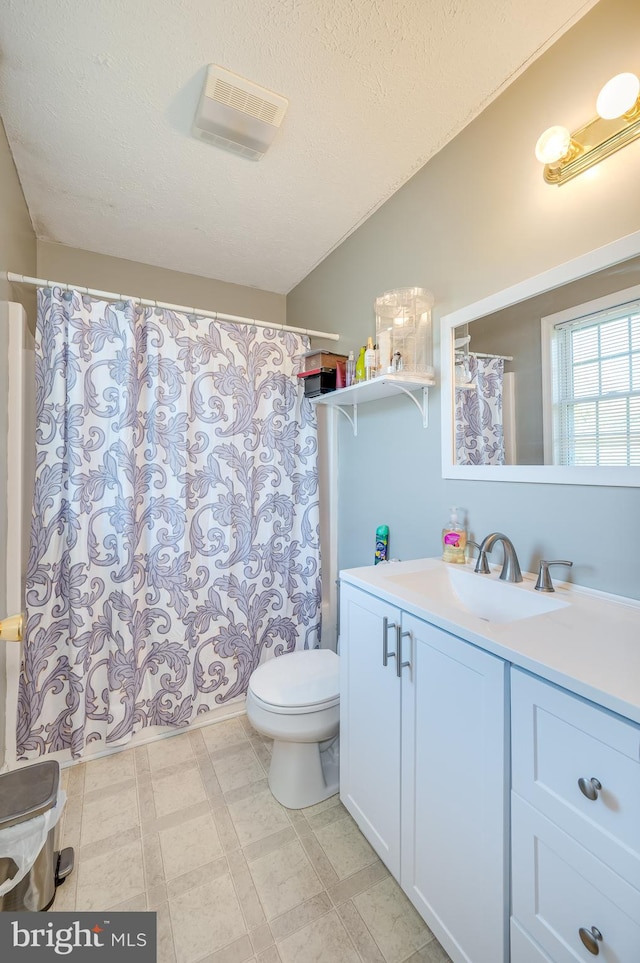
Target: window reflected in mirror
(554, 379)
(592, 413)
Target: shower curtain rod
(201, 312)
(481, 354)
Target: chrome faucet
(510, 567)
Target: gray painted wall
(60, 263)
(17, 253)
(478, 218)
(17, 238)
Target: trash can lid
(27, 793)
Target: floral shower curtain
(175, 533)
(478, 414)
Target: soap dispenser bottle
(454, 540)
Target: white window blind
(596, 388)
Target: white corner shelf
(416, 388)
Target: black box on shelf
(318, 381)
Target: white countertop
(591, 647)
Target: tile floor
(187, 827)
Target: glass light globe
(618, 96)
(553, 144)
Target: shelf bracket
(352, 419)
(423, 407)
(346, 399)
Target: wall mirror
(541, 381)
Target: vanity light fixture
(617, 123)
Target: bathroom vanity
(490, 753)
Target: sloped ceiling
(98, 99)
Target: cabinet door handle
(590, 939)
(386, 655)
(590, 787)
(400, 665)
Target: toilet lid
(298, 679)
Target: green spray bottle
(382, 544)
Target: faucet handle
(544, 583)
(482, 565)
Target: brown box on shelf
(321, 359)
(318, 381)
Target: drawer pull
(590, 787)
(400, 665)
(590, 939)
(386, 655)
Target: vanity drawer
(523, 948)
(559, 742)
(559, 890)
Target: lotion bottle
(370, 360)
(454, 540)
(360, 366)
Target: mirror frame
(603, 257)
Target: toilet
(295, 700)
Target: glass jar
(404, 333)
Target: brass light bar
(595, 141)
(617, 124)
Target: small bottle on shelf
(370, 360)
(351, 370)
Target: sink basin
(496, 601)
(484, 596)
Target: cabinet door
(370, 721)
(455, 791)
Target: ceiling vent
(238, 115)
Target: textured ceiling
(98, 97)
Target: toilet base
(304, 773)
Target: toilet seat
(297, 683)
(294, 710)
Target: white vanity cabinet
(424, 768)
(494, 761)
(575, 828)
(370, 720)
